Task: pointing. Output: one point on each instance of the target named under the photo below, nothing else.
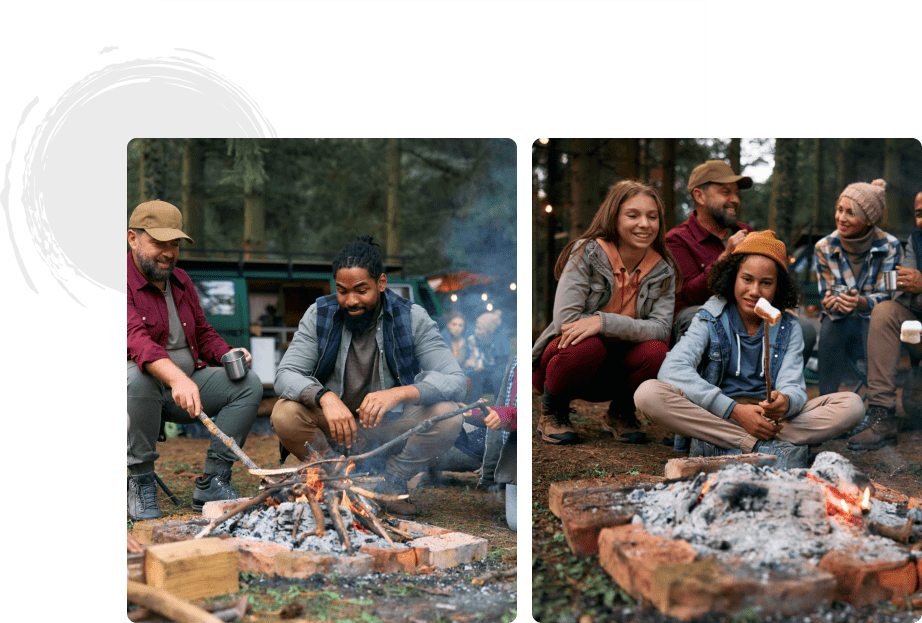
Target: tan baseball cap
(716, 171)
(162, 220)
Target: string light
(512, 286)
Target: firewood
(320, 530)
(378, 497)
(298, 512)
(333, 508)
(167, 604)
(228, 441)
(493, 575)
(239, 508)
(194, 568)
(378, 527)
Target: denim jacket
(699, 362)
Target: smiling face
(721, 202)
(757, 278)
(850, 223)
(638, 223)
(154, 258)
(358, 295)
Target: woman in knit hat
(612, 313)
(712, 388)
(488, 353)
(850, 267)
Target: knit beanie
(869, 199)
(764, 243)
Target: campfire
(748, 535)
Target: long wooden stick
(239, 508)
(379, 528)
(228, 441)
(768, 378)
(338, 524)
(378, 497)
(168, 604)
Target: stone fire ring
(438, 549)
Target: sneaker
(882, 429)
(395, 485)
(142, 497)
(811, 377)
(698, 447)
(790, 456)
(211, 488)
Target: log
(167, 604)
(378, 497)
(333, 508)
(228, 441)
(691, 466)
(193, 569)
(239, 508)
(370, 515)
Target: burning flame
(842, 505)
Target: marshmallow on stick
(910, 331)
(765, 311)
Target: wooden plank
(688, 467)
(559, 492)
(193, 569)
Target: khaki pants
(887, 319)
(295, 423)
(821, 419)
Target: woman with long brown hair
(612, 313)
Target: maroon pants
(599, 371)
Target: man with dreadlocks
(365, 358)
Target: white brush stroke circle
(67, 195)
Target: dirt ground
(570, 589)
(445, 595)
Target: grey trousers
(231, 404)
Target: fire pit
(752, 536)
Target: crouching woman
(711, 386)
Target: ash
(767, 518)
(275, 524)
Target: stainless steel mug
(837, 290)
(890, 280)
(235, 364)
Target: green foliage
(748, 615)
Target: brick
(863, 583)
(257, 556)
(392, 559)
(584, 514)
(667, 573)
(302, 565)
(449, 550)
(193, 569)
(687, 467)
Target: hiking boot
(618, 417)
(790, 456)
(864, 424)
(213, 487)
(555, 427)
(142, 497)
(881, 431)
(395, 485)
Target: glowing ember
(844, 506)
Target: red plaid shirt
(149, 325)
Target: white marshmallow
(910, 331)
(765, 311)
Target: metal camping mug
(235, 364)
(837, 290)
(890, 280)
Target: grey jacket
(441, 377)
(586, 286)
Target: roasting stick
(770, 316)
(228, 441)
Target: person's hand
(908, 280)
(777, 407)
(753, 422)
(734, 240)
(339, 419)
(492, 419)
(246, 353)
(576, 332)
(186, 396)
(848, 301)
(376, 404)
(134, 546)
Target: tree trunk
(892, 177)
(193, 190)
(783, 200)
(254, 222)
(735, 148)
(152, 163)
(669, 162)
(584, 185)
(818, 199)
(392, 235)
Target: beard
(722, 218)
(151, 271)
(358, 324)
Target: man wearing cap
(710, 233)
(172, 351)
